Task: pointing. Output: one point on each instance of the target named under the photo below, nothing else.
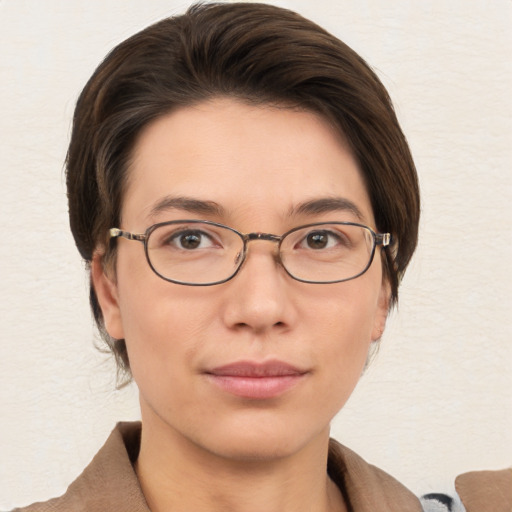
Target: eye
(322, 239)
(190, 240)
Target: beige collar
(486, 491)
(367, 488)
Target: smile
(255, 380)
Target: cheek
(344, 323)
(163, 323)
(161, 341)
(160, 320)
(348, 310)
(349, 338)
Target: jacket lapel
(365, 487)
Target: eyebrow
(203, 207)
(188, 204)
(327, 205)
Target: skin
(203, 448)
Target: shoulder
(478, 491)
(108, 483)
(486, 491)
(368, 488)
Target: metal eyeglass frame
(379, 239)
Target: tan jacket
(109, 483)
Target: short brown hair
(253, 52)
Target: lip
(257, 381)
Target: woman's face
(258, 366)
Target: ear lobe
(106, 292)
(381, 314)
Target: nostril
(242, 326)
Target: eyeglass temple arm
(116, 233)
(383, 239)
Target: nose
(260, 296)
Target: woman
(247, 205)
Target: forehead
(252, 161)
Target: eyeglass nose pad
(241, 255)
(277, 255)
(238, 257)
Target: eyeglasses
(204, 253)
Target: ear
(107, 294)
(381, 314)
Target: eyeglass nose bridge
(262, 236)
(268, 237)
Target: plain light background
(437, 400)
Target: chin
(257, 450)
(258, 443)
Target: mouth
(257, 381)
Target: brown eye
(324, 240)
(317, 240)
(190, 241)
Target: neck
(176, 474)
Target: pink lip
(256, 380)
